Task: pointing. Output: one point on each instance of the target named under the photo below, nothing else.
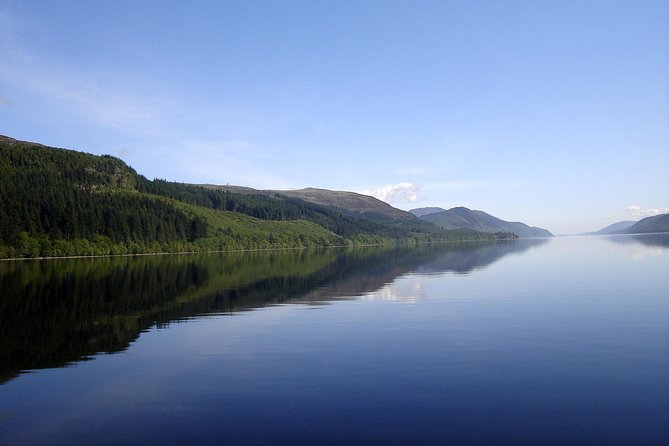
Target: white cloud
(396, 192)
(635, 212)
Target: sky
(554, 113)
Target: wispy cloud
(89, 98)
(151, 118)
(396, 192)
(111, 98)
(228, 162)
(635, 212)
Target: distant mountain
(658, 223)
(616, 228)
(421, 212)
(461, 218)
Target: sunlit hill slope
(58, 202)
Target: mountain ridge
(461, 217)
(656, 223)
(350, 201)
(421, 212)
(619, 227)
(653, 224)
(62, 202)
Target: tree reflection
(55, 312)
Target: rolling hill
(58, 202)
(463, 218)
(350, 202)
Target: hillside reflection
(660, 240)
(55, 312)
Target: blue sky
(555, 113)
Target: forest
(58, 202)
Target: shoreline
(18, 259)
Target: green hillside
(58, 202)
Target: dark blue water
(563, 341)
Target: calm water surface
(559, 341)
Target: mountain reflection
(660, 240)
(464, 258)
(55, 312)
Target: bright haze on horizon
(551, 113)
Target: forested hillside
(350, 203)
(58, 202)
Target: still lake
(559, 341)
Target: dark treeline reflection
(55, 312)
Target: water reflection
(657, 240)
(406, 291)
(55, 312)
(464, 258)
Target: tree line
(57, 202)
